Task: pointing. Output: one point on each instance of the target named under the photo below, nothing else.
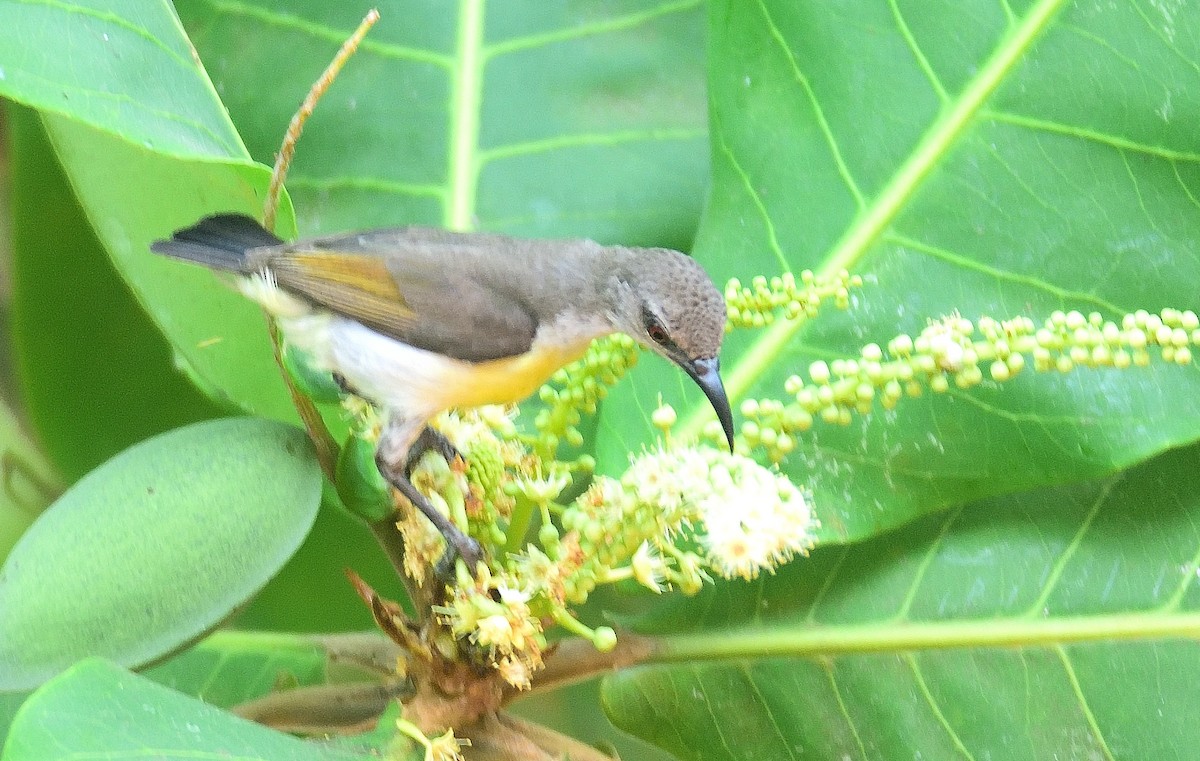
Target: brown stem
(503, 737)
(310, 416)
(314, 425)
(323, 709)
(576, 660)
(368, 650)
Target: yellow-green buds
(758, 304)
(956, 353)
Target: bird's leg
(430, 440)
(400, 437)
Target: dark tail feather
(220, 241)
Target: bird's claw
(461, 546)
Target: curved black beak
(707, 374)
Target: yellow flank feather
(508, 380)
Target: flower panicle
(956, 352)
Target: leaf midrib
(836, 640)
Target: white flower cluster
(747, 517)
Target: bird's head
(668, 303)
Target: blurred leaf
(993, 159)
(73, 716)
(96, 375)
(10, 703)
(994, 631)
(311, 592)
(155, 547)
(27, 482)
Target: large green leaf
(1000, 630)
(157, 546)
(992, 158)
(147, 148)
(74, 716)
(523, 117)
(96, 374)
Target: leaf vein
(927, 558)
(466, 98)
(1083, 133)
(606, 139)
(1086, 707)
(915, 666)
(117, 21)
(367, 183)
(827, 666)
(818, 112)
(615, 24)
(748, 186)
(1036, 283)
(922, 61)
(1036, 609)
(322, 32)
(765, 704)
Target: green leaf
(148, 148)
(1056, 623)
(224, 669)
(988, 158)
(131, 71)
(155, 547)
(96, 374)
(74, 715)
(494, 117)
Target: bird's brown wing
(350, 284)
(412, 289)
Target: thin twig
(323, 709)
(575, 660)
(288, 149)
(314, 424)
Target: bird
(419, 320)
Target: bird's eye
(658, 334)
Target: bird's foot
(430, 440)
(458, 543)
(461, 546)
